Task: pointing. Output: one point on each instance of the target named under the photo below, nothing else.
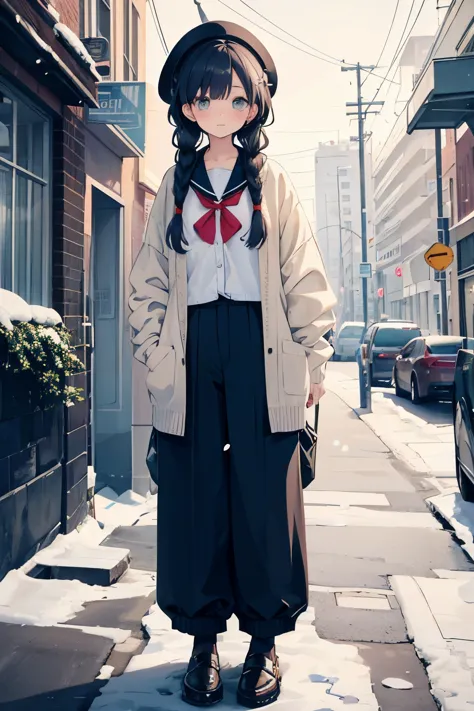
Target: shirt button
(182, 361)
(270, 350)
(219, 266)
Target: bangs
(210, 72)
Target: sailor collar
(200, 179)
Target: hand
(316, 391)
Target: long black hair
(208, 69)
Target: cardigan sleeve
(309, 297)
(149, 279)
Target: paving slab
(125, 614)
(354, 480)
(346, 624)
(92, 565)
(140, 541)
(363, 557)
(398, 661)
(407, 501)
(343, 498)
(49, 668)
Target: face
(222, 117)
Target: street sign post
(439, 256)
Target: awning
(444, 96)
(74, 85)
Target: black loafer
(202, 685)
(260, 682)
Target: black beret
(218, 31)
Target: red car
(425, 367)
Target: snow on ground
(311, 668)
(35, 601)
(441, 624)
(459, 514)
(124, 510)
(425, 447)
(355, 516)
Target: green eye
(203, 104)
(240, 104)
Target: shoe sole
(257, 703)
(218, 696)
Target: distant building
(338, 222)
(404, 182)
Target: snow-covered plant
(42, 357)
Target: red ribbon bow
(206, 225)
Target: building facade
(442, 99)
(46, 81)
(338, 223)
(404, 179)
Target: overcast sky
(310, 101)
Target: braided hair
(209, 68)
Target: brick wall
(68, 299)
(69, 13)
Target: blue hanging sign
(122, 104)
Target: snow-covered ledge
(15, 309)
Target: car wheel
(466, 486)
(415, 394)
(398, 391)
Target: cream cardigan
(297, 304)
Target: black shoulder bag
(308, 440)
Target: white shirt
(229, 269)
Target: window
(25, 248)
(82, 19)
(346, 210)
(449, 348)
(342, 171)
(130, 46)
(346, 198)
(395, 337)
(352, 332)
(348, 225)
(345, 186)
(103, 19)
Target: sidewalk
(439, 612)
(63, 639)
(425, 447)
(376, 555)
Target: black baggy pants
(230, 520)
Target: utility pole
(361, 113)
(443, 230)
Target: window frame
(131, 37)
(45, 181)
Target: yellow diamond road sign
(439, 256)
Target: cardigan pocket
(160, 377)
(295, 367)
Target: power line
(157, 22)
(293, 36)
(402, 42)
(398, 52)
(292, 153)
(386, 41)
(337, 63)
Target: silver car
(347, 340)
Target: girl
(229, 309)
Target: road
(436, 413)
